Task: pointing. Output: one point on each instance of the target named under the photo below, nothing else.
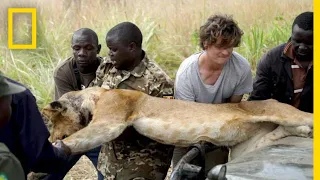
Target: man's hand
(61, 146)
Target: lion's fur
(176, 122)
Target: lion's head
(66, 116)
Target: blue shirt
(26, 136)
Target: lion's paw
(302, 131)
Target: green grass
(170, 30)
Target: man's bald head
(304, 21)
(125, 33)
(85, 47)
(85, 32)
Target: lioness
(175, 122)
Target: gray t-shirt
(235, 79)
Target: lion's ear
(56, 105)
(52, 109)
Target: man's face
(121, 55)
(219, 54)
(85, 50)
(302, 42)
(5, 106)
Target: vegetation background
(170, 29)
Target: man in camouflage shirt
(131, 155)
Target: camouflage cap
(8, 88)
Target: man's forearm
(50, 160)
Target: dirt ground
(84, 170)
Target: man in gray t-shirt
(235, 79)
(215, 75)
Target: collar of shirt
(288, 50)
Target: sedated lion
(167, 121)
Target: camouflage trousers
(136, 159)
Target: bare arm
(235, 98)
(244, 86)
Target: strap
(77, 74)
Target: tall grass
(170, 29)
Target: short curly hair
(220, 26)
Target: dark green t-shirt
(10, 167)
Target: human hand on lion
(62, 147)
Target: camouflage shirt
(131, 155)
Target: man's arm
(159, 83)
(41, 155)
(243, 87)
(164, 89)
(262, 86)
(235, 98)
(183, 88)
(104, 66)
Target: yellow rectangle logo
(33, 12)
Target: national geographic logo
(33, 44)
